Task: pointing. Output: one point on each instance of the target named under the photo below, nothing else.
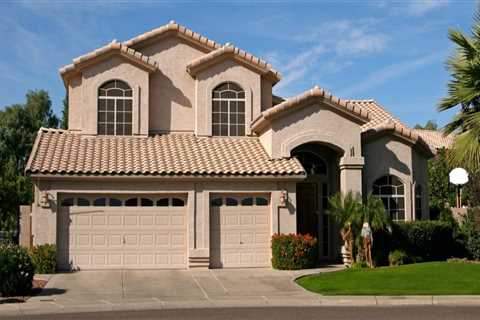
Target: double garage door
(115, 232)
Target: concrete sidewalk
(91, 291)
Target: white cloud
(392, 71)
(328, 48)
(420, 7)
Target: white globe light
(458, 176)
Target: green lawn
(433, 278)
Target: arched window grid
(228, 110)
(115, 103)
(391, 191)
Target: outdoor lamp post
(458, 177)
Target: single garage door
(240, 231)
(116, 232)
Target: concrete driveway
(174, 287)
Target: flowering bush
(293, 251)
(44, 258)
(16, 270)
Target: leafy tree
(439, 187)
(19, 124)
(430, 125)
(64, 121)
(464, 92)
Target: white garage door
(115, 232)
(240, 231)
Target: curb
(56, 307)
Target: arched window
(115, 99)
(228, 110)
(392, 192)
(418, 202)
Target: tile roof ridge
(229, 49)
(113, 45)
(173, 26)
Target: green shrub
(44, 258)
(397, 258)
(420, 240)
(473, 246)
(16, 270)
(360, 265)
(293, 251)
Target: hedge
(420, 240)
(294, 251)
(44, 258)
(16, 270)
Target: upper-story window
(115, 99)
(228, 110)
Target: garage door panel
(123, 237)
(239, 235)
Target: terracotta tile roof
(113, 47)
(299, 101)
(436, 139)
(229, 51)
(180, 30)
(381, 120)
(63, 152)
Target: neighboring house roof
(112, 48)
(383, 121)
(302, 100)
(228, 51)
(62, 152)
(436, 139)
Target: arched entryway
(321, 163)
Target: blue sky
(391, 51)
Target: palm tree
(348, 210)
(464, 91)
(373, 211)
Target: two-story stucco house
(178, 155)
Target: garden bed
(37, 286)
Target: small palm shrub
(397, 258)
(16, 270)
(44, 258)
(294, 251)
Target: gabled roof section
(229, 51)
(106, 51)
(62, 152)
(382, 121)
(173, 28)
(302, 100)
(436, 139)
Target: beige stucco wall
(420, 177)
(313, 123)
(83, 94)
(172, 89)
(210, 78)
(44, 220)
(266, 94)
(390, 155)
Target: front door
(307, 217)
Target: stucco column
(351, 174)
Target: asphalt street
(279, 313)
